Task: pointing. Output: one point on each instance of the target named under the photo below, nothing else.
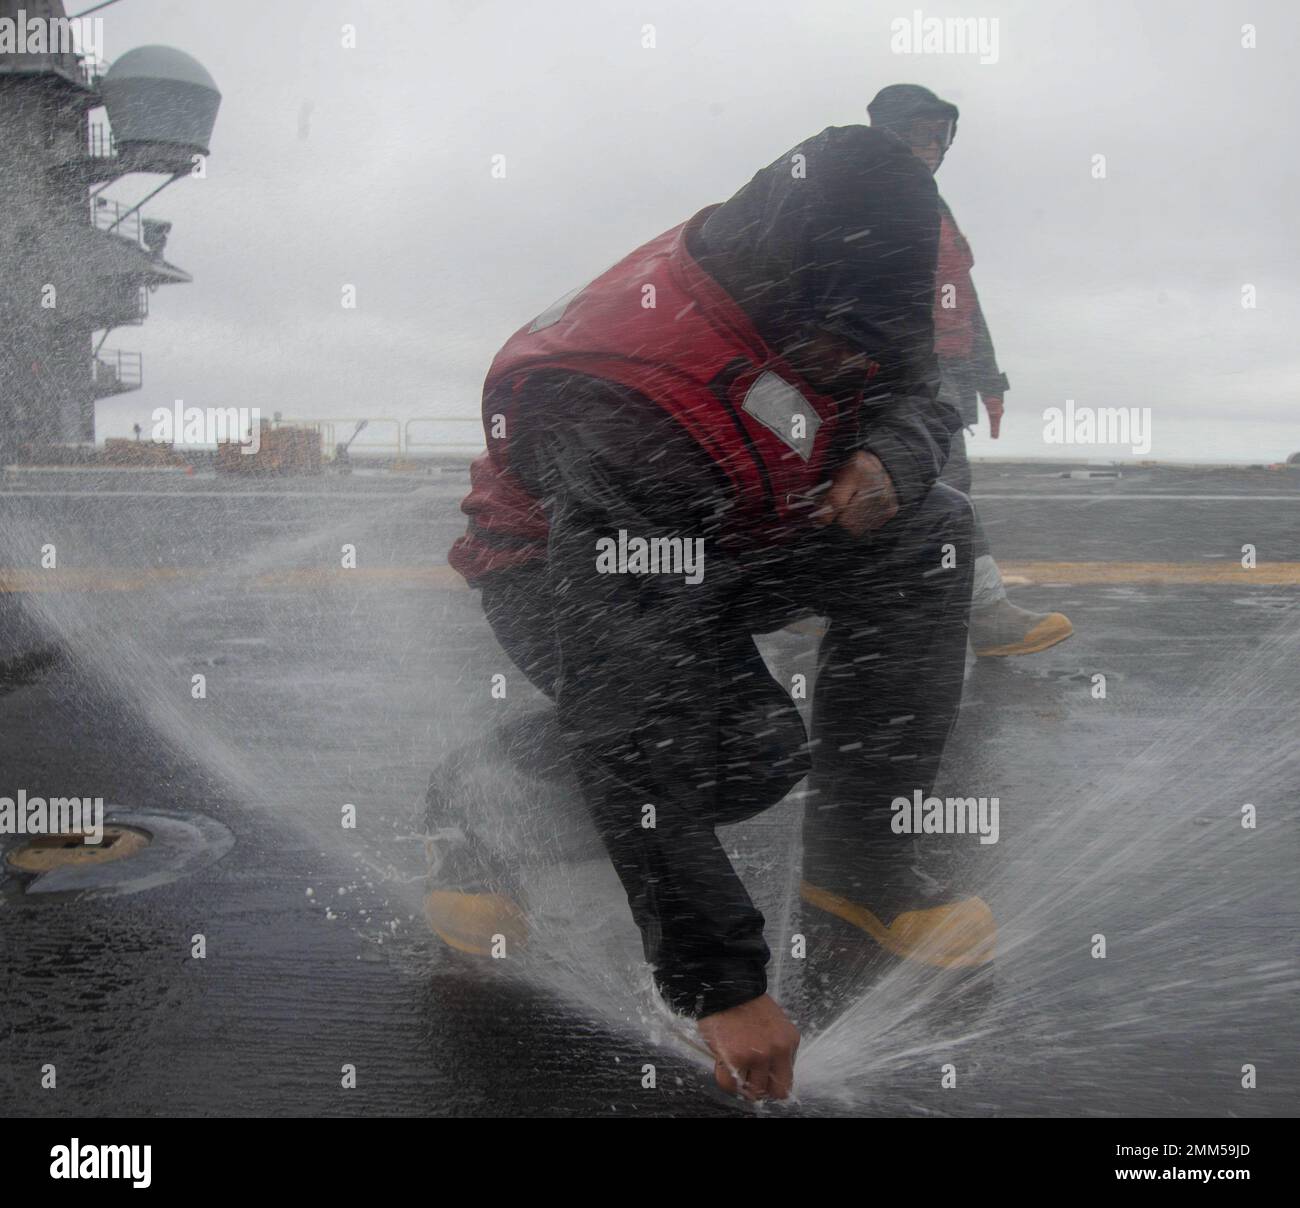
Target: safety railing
(91, 70)
(100, 143)
(83, 69)
(109, 215)
(127, 304)
(114, 371)
(335, 431)
(473, 426)
(385, 437)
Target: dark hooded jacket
(840, 234)
(972, 369)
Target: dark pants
(674, 705)
(957, 474)
(670, 719)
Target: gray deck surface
(324, 691)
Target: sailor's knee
(948, 501)
(948, 511)
(767, 756)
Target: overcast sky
(372, 167)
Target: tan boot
(1002, 629)
(957, 935)
(473, 902)
(476, 923)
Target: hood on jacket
(842, 240)
(895, 107)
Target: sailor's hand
(993, 405)
(754, 1045)
(861, 497)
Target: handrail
(82, 68)
(336, 429)
(117, 219)
(92, 70)
(100, 141)
(440, 444)
(113, 366)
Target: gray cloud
(371, 166)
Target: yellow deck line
(111, 579)
(1266, 574)
(88, 579)
(398, 576)
(443, 578)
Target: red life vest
(692, 351)
(954, 330)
